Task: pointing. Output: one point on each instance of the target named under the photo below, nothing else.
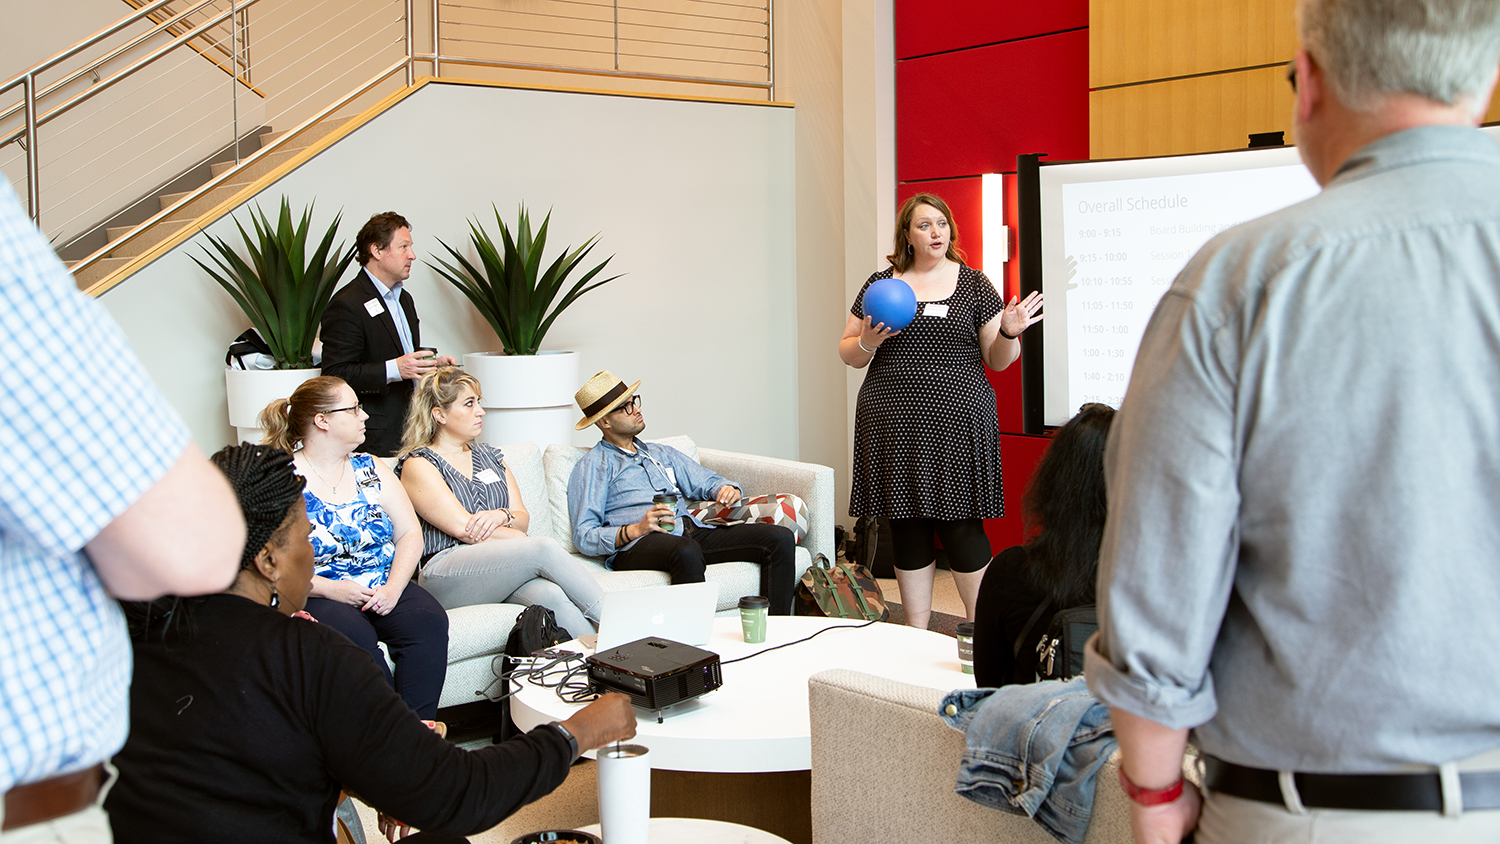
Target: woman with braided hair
(246, 724)
(365, 537)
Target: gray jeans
(525, 570)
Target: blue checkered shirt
(83, 433)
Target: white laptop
(682, 613)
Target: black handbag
(1059, 651)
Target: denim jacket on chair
(1033, 750)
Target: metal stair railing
(151, 104)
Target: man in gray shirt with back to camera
(1302, 557)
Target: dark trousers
(684, 557)
(964, 542)
(416, 632)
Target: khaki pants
(1235, 820)
(89, 826)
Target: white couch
(477, 634)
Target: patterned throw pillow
(780, 509)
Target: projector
(655, 673)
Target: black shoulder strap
(1015, 650)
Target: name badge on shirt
(487, 476)
(933, 309)
(374, 307)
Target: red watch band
(1150, 796)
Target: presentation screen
(1114, 236)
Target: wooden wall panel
(1198, 114)
(1141, 40)
(974, 111)
(923, 28)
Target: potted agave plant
(528, 391)
(283, 288)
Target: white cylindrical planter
(250, 390)
(527, 398)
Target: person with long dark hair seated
(1055, 569)
(246, 723)
(474, 544)
(366, 538)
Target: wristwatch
(572, 740)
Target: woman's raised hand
(1018, 317)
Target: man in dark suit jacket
(371, 336)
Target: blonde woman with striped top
(475, 549)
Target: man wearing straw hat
(610, 501)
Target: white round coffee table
(758, 721)
(700, 831)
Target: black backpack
(1059, 651)
(535, 630)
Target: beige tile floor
(944, 593)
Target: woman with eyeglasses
(365, 537)
(475, 548)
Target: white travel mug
(624, 793)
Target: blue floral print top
(354, 540)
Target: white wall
(695, 200)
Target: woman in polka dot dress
(926, 440)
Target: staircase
(189, 214)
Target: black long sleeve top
(246, 731)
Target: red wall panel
(965, 198)
(925, 27)
(1019, 455)
(974, 111)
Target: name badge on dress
(374, 307)
(933, 309)
(487, 476)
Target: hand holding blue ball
(891, 301)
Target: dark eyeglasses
(630, 406)
(1291, 75)
(354, 407)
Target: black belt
(1391, 792)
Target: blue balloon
(891, 301)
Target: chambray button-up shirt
(1302, 553)
(83, 433)
(611, 487)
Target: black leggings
(964, 541)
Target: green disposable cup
(966, 646)
(670, 500)
(753, 610)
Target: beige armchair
(884, 763)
